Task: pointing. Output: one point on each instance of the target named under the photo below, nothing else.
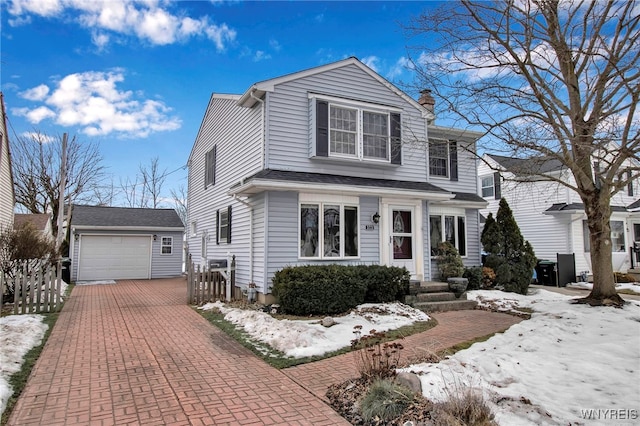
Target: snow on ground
(635, 287)
(553, 368)
(95, 282)
(302, 338)
(18, 334)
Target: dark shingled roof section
(291, 176)
(124, 216)
(468, 196)
(531, 165)
(559, 207)
(634, 205)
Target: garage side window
(223, 225)
(166, 245)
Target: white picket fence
(36, 285)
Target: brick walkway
(453, 327)
(134, 353)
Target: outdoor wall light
(155, 237)
(375, 218)
(76, 237)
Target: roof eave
(76, 228)
(256, 186)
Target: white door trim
(386, 204)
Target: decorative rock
(411, 381)
(328, 321)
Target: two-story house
(332, 164)
(551, 216)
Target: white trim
(80, 237)
(386, 204)
(370, 106)
(127, 228)
(162, 245)
(255, 186)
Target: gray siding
(288, 114)
(167, 265)
(236, 132)
(6, 185)
(282, 234)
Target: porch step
(635, 273)
(430, 296)
(451, 305)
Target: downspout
(250, 207)
(427, 204)
(262, 131)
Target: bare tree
(36, 161)
(146, 190)
(546, 80)
(180, 202)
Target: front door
(636, 243)
(400, 238)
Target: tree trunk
(604, 286)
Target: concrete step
(428, 287)
(435, 297)
(452, 305)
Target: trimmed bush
(318, 289)
(479, 277)
(384, 283)
(333, 289)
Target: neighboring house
(40, 222)
(329, 165)
(551, 216)
(7, 195)
(125, 243)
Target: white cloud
(93, 102)
(38, 137)
(36, 93)
(371, 62)
(151, 21)
(275, 45)
(260, 56)
(399, 67)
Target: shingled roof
(528, 166)
(98, 216)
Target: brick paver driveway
(135, 353)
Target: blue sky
(136, 77)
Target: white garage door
(114, 257)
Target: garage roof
(118, 217)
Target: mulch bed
(345, 399)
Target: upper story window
(210, 167)
(166, 246)
(443, 158)
(490, 186)
(356, 130)
(487, 186)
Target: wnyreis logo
(609, 414)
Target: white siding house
(7, 196)
(551, 216)
(328, 165)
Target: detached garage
(125, 243)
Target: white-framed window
(329, 227)
(358, 133)
(448, 226)
(487, 186)
(166, 245)
(617, 236)
(439, 157)
(350, 129)
(194, 228)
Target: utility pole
(61, 190)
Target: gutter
(250, 207)
(262, 129)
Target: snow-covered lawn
(18, 334)
(635, 287)
(302, 338)
(568, 364)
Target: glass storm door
(402, 237)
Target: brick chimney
(427, 101)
